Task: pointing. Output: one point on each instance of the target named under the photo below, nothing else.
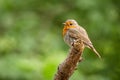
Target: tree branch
(66, 68)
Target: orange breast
(67, 28)
(64, 30)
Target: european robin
(72, 31)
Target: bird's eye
(70, 23)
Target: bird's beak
(64, 23)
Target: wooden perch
(66, 68)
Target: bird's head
(69, 24)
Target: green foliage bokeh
(31, 44)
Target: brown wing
(79, 34)
(82, 34)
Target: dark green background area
(31, 44)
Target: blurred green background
(31, 44)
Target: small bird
(72, 32)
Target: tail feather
(93, 49)
(96, 52)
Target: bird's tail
(93, 49)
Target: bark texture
(67, 67)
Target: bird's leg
(73, 42)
